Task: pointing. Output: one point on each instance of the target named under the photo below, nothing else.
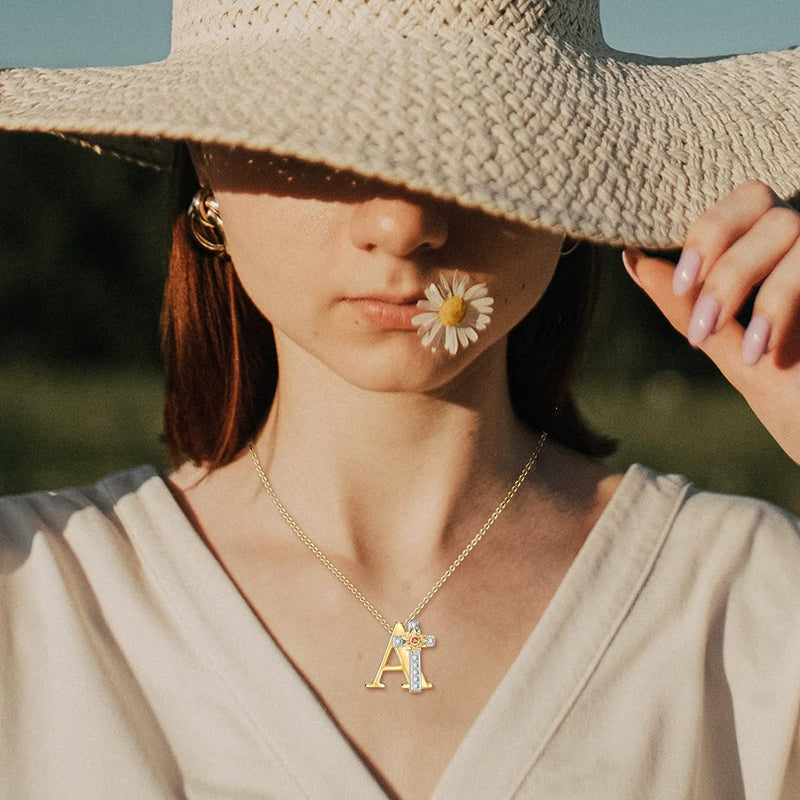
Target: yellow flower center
(452, 311)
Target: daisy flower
(453, 313)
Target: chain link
(447, 573)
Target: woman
(577, 633)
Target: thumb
(654, 277)
(770, 390)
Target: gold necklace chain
(447, 573)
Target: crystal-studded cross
(413, 641)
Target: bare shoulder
(212, 499)
(577, 482)
(568, 495)
(186, 478)
(186, 484)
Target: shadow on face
(255, 172)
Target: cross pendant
(414, 641)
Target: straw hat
(514, 106)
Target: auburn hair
(221, 367)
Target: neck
(390, 473)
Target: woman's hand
(749, 239)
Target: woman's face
(337, 263)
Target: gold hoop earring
(205, 222)
(571, 249)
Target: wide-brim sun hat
(517, 107)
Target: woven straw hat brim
(615, 149)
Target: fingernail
(703, 321)
(686, 271)
(756, 339)
(630, 256)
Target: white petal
(459, 285)
(428, 305)
(471, 317)
(445, 287)
(478, 290)
(437, 340)
(483, 304)
(426, 318)
(482, 322)
(434, 295)
(471, 333)
(430, 334)
(450, 340)
(462, 336)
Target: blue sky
(104, 32)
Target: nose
(399, 226)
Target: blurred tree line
(83, 252)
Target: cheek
(528, 291)
(271, 241)
(266, 230)
(529, 272)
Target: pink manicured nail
(703, 321)
(686, 271)
(756, 339)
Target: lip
(391, 313)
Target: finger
(750, 260)
(654, 277)
(714, 231)
(775, 324)
(770, 390)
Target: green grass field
(70, 428)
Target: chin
(407, 368)
(392, 363)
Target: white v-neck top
(667, 665)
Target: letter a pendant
(407, 646)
